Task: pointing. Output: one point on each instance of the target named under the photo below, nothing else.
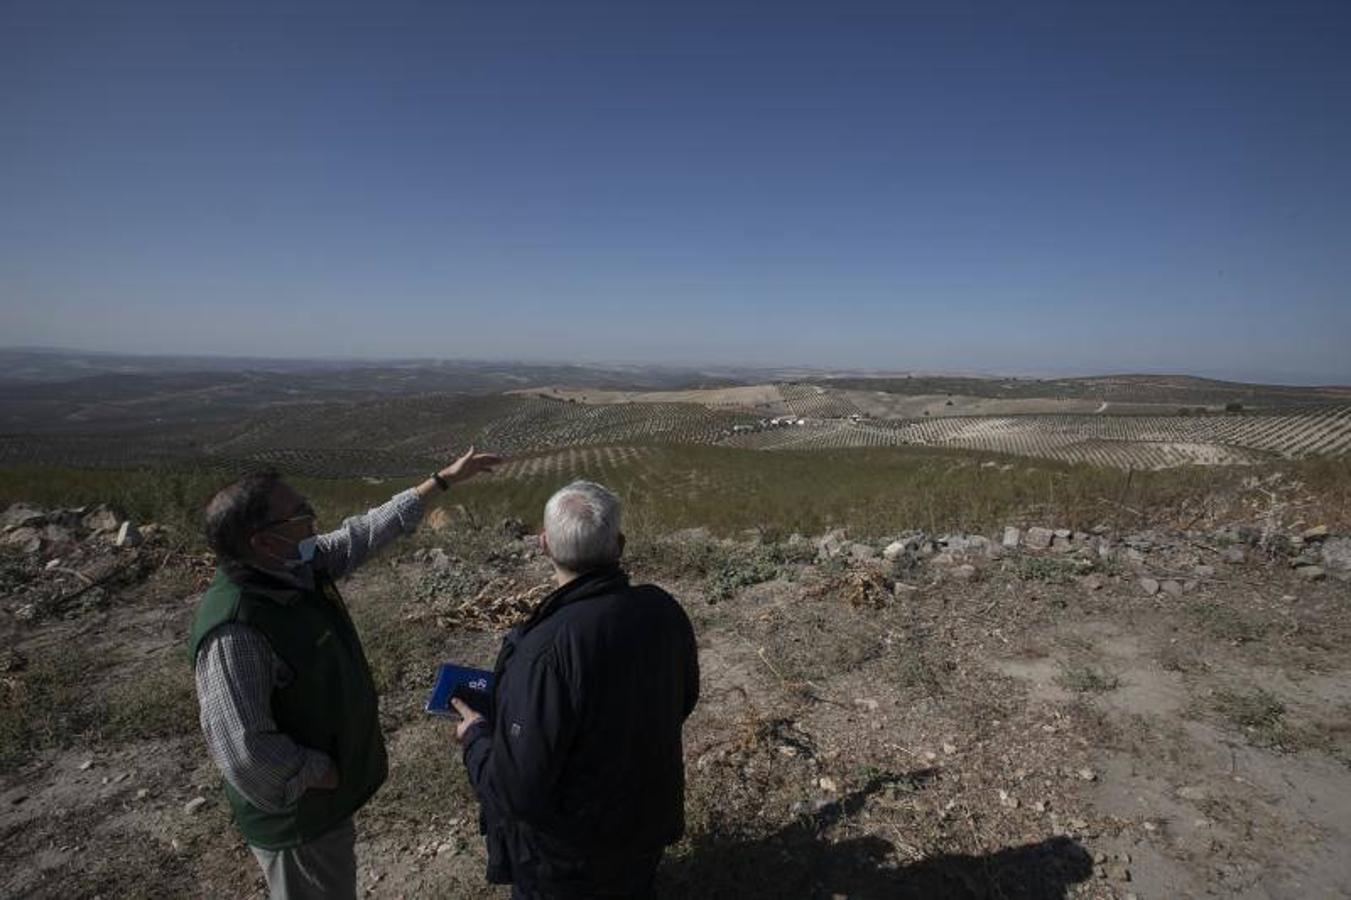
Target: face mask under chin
(298, 568)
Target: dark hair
(237, 511)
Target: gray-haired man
(580, 772)
(288, 706)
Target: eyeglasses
(303, 512)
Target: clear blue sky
(1003, 187)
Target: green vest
(331, 705)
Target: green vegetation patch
(1087, 679)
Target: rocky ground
(1030, 712)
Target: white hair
(581, 526)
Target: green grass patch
(1225, 622)
(1086, 679)
(45, 705)
(160, 700)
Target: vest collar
(270, 585)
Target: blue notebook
(473, 686)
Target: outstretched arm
(340, 552)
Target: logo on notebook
(478, 684)
(515, 729)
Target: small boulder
(861, 552)
(1011, 536)
(128, 535)
(100, 521)
(978, 543)
(1316, 533)
(1149, 586)
(1171, 588)
(1337, 557)
(24, 539)
(894, 551)
(1311, 573)
(1039, 538)
(22, 515)
(964, 572)
(832, 543)
(193, 805)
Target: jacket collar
(590, 584)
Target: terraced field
(816, 402)
(1139, 442)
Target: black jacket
(580, 773)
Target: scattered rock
(1007, 800)
(128, 535)
(832, 543)
(25, 539)
(828, 784)
(1171, 588)
(964, 572)
(1316, 533)
(1087, 775)
(142, 793)
(194, 804)
(21, 515)
(867, 703)
(1061, 544)
(1337, 557)
(1311, 573)
(101, 520)
(1039, 538)
(979, 543)
(1191, 792)
(1204, 571)
(1149, 586)
(1011, 537)
(861, 552)
(86, 765)
(949, 749)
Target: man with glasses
(288, 706)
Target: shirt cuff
(315, 768)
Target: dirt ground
(965, 725)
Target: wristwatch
(440, 482)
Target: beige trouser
(326, 867)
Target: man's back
(584, 765)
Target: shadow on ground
(800, 861)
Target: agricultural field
(379, 422)
(1127, 442)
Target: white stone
(127, 535)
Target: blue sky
(947, 186)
